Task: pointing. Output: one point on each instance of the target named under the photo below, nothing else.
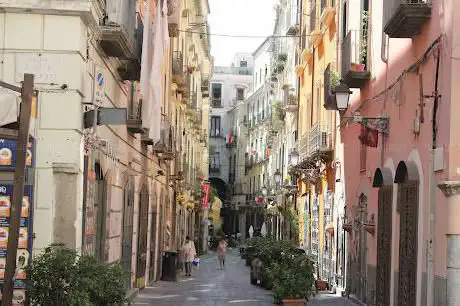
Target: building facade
(319, 199)
(400, 177)
(229, 87)
(109, 189)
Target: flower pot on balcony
(358, 67)
(294, 302)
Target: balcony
(291, 103)
(216, 102)
(355, 72)
(114, 34)
(134, 121)
(130, 69)
(231, 143)
(331, 80)
(173, 19)
(405, 18)
(178, 68)
(164, 148)
(214, 169)
(205, 86)
(320, 139)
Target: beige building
(110, 189)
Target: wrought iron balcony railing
(178, 64)
(320, 139)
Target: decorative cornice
(449, 188)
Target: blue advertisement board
(24, 242)
(9, 150)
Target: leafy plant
(59, 276)
(279, 112)
(335, 78)
(292, 277)
(363, 41)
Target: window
(256, 80)
(243, 63)
(215, 126)
(214, 162)
(260, 76)
(240, 94)
(127, 229)
(216, 95)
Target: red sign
(260, 200)
(369, 137)
(206, 189)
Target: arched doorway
(408, 201)
(153, 240)
(102, 218)
(142, 236)
(383, 181)
(127, 230)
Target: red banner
(206, 190)
(369, 137)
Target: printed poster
(24, 241)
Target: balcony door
(153, 265)
(142, 236)
(127, 230)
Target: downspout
(432, 192)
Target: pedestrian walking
(221, 252)
(188, 253)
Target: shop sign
(9, 151)
(24, 242)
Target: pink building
(396, 188)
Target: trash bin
(169, 272)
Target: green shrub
(59, 276)
(292, 277)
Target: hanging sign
(99, 85)
(206, 190)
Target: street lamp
(294, 157)
(277, 176)
(342, 96)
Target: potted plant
(361, 66)
(293, 280)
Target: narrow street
(210, 286)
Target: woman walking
(188, 253)
(221, 251)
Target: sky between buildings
(239, 17)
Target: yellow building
(317, 132)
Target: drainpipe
(432, 192)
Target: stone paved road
(210, 286)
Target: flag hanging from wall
(369, 136)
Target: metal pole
(18, 188)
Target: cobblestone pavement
(210, 286)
